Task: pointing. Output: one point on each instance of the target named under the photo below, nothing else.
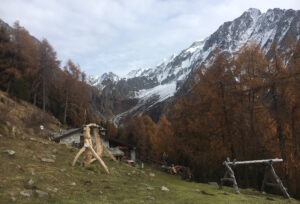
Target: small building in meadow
(74, 137)
(128, 149)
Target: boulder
(47, 160)
(163, 188)
(9, 152)
(41, 194)
(26, 193)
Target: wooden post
(265, 178)
(109, 154)
(99, 145)
(87, 143)
(278, 181)
(231, 176)
(83, 149)
(99, 159)
(223, 179)
(279, 184)
(100, 148)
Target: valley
(232, 96)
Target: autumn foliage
(30, 70)
(245, 108)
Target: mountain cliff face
(147, 90)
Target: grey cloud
(120, 35)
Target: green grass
(125, 184)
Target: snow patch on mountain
(163, 91)
(136, 73)
(197, 45)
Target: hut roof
(117, 142)
(66, 133)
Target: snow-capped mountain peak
(254, 12)
(151, 86)
(102, 81)
(137, 73)
(110, 76)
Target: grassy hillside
(40, 171)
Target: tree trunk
(66, 106)
(278, 121)
(34, 98)
(44, 94)
(8, 87)
(294, 135)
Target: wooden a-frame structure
(88, 147)
(229, 174)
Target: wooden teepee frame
(88, 147)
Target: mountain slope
(36, 170)
(59, 182)
(150, 87)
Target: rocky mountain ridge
(146, 88)
(105, 79)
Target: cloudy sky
(122, 35)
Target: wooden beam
(255, 161)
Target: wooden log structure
(100, 147)
(229, 174)
(88, 148)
